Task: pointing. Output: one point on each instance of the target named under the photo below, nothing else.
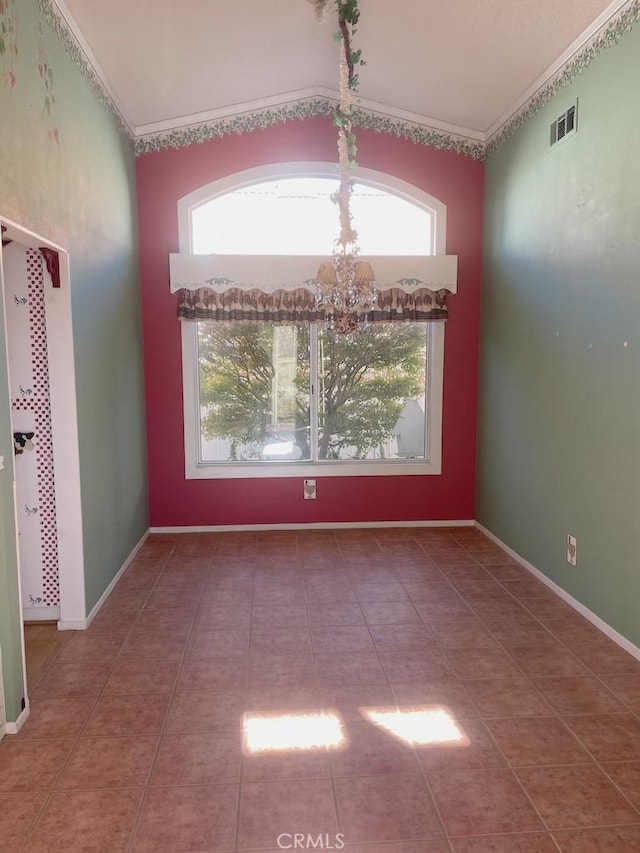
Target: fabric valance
(282, 289)
(299, 306)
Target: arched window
(290, 400)
(295, 216)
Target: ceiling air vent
(565, 125)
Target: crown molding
(226, 113)
(287, 98)
(301, 104)
(606, 31)
(420, 120)
(62, 22)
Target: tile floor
(472, 710)
(42, 640)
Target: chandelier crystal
(345, 287)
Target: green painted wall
(10, 635)
(80, 193)
(559, 434)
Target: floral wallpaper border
(55, 19)
(620, 23)
(608, 36)
(302, 109)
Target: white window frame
(197, 470)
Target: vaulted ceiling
(457, 65)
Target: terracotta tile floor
(455, 706)
(42, 640)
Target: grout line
(247, 694)
(354, 572)
(603, 771)
(588, 672)
(81, 730)
(145, 788)
(514, 774)
(436, 807)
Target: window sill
(252, 471)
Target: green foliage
(348, 16)
(236, 372)
(365, 380)
(348, 11)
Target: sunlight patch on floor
(262, 733)
(430, 725)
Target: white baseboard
(83, 624)
(40, 614)
(313, 525)
(595, 620)
(73, 625)
(14, 728)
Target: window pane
(297, 216)
(372, 393)
(254, 392)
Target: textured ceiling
(465, 63)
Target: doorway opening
(35, 288)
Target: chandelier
(345, 287)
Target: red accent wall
(166, 176)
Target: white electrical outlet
(572, 550)
(309, 490)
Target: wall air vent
(565, 125)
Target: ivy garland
(346, 289)
(348, 17)
(241, 123)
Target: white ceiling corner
(462, 69)
(556, 67)
(84, 45)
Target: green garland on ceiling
(618, 26)
(348, 16)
